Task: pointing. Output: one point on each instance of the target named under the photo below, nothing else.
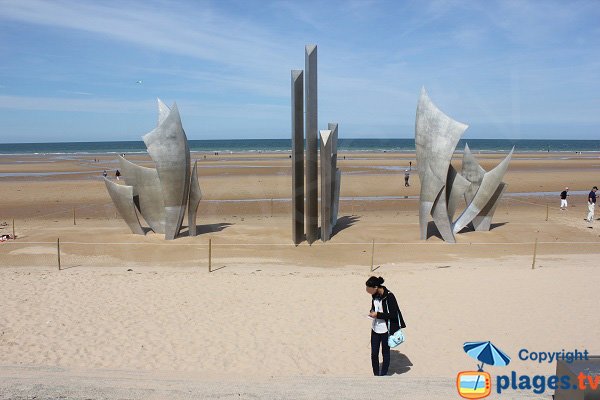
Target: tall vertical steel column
(326, 175)
(297, 156)
(336, 175)
(311, 124)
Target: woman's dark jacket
(391, 312)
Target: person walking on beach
(117, 174)
(563, 198)
(104, 174)
(384, 311)
(591, 204)
(406, 178)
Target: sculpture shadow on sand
(210, 228)
(344, 222)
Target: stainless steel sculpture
(311, 126)
(194, 202)
(489, 184)
(297, 156)
(330, 174)
(122, 197)
(326, 180)
(436, 137)
(442, 186)
(336, 175)
(160, 194)
(147, 193)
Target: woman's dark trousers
(376, 340)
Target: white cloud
(72, 104)
(195, 31)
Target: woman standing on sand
(384, 310)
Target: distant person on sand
(6, 237)
(406, 178)
(591, 204)
(410, 165)
(384, 311)
(563, 198)
(104, 174)
(117, 174)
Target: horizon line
(343, 138)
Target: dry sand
(138, 317)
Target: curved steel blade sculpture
(147, 193)
(161, 194)
(436, 137)
(442, 186)
(195, 197)
(122, 197)
(489, 184)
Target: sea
(284, 145)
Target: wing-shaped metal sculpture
(455, 190)
(122, 197)
(195, 197)
(473, 172)
(167, 145)
(160, 194)
(147, 192)
(436, 137)
(489, 184)
(163, 111)
(442, 186)
(483, 221)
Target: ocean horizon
(284, 145)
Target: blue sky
(509, 69)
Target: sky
(77, 70)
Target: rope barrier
(329, 244)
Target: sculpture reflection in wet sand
(160, 194)
(442, 186)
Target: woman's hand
(373, 314)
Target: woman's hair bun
(375, 281)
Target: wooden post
(547, 210)
(372, 254)
(74, 223)
(58, 251)
(534, 253)
(209, 255)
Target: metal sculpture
(336, 174)
(160, 194)
(122, 197)
(297, 156)
(326, 181)
(194, 202)
(330, 174)
(311, 126)
(442, 186)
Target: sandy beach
(272, 318)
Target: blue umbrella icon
(487, 353)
